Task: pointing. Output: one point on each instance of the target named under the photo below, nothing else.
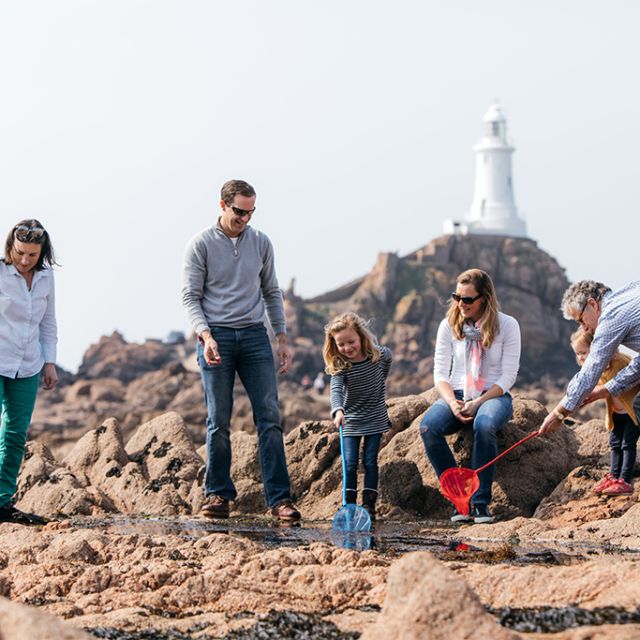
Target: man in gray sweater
(229, 282)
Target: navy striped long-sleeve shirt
(619, 323)
(360, 394)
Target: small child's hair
(336, 363)
(581, 334)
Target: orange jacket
(618, 362)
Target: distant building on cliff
(493, 210)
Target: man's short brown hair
(233, 188)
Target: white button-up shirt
(28, 329)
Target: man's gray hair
(576, 296)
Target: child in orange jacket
(621, 420)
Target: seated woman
(476, 362)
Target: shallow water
(390, 538)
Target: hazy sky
(354, 120)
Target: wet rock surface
(165, 577)
(276, 625)
(552, 620)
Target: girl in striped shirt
(358, 367)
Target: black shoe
(481, 514)
(11, 514)
(456, 516)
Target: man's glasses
(241, 213)
(25, 233)
(466, 299)
(584, 308)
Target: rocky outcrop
(157, 470)
(425, 599)
(19, 622)
(407, 298)
(136, 580)
(114, 357)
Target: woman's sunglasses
(465, 299)
(25, 233)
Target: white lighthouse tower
(493, 210)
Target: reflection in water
(352, 540)
(387, 537)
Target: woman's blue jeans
(439, 422)
(351, 453)
(248, 352)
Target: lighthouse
(493, 210)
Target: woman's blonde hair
(336, 363)
(490, 325)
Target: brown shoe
(285, 510)
(215, 507)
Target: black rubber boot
(9, 513)
(352, 496)
(369, 497)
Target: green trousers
(18, 400)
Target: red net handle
(504, 453)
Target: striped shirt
(619, 323)
(359, 393)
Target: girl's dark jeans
(369, 459)
(622, 441)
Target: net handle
(344, 469)
(504, 453)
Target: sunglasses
(466, 299)
(25, 233)
(241, 213)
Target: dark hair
(47, 258)
(233, 188)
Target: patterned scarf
(473, 361)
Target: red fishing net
(458, 484)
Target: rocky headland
(116, 460)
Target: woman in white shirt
(28, 337)
(475, 365)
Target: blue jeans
(351, 455)
(439, 422)
(248, 352)
(622, 442)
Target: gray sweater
(231, 286)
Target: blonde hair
(334, 361)
(581, 335)
(490, 325)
